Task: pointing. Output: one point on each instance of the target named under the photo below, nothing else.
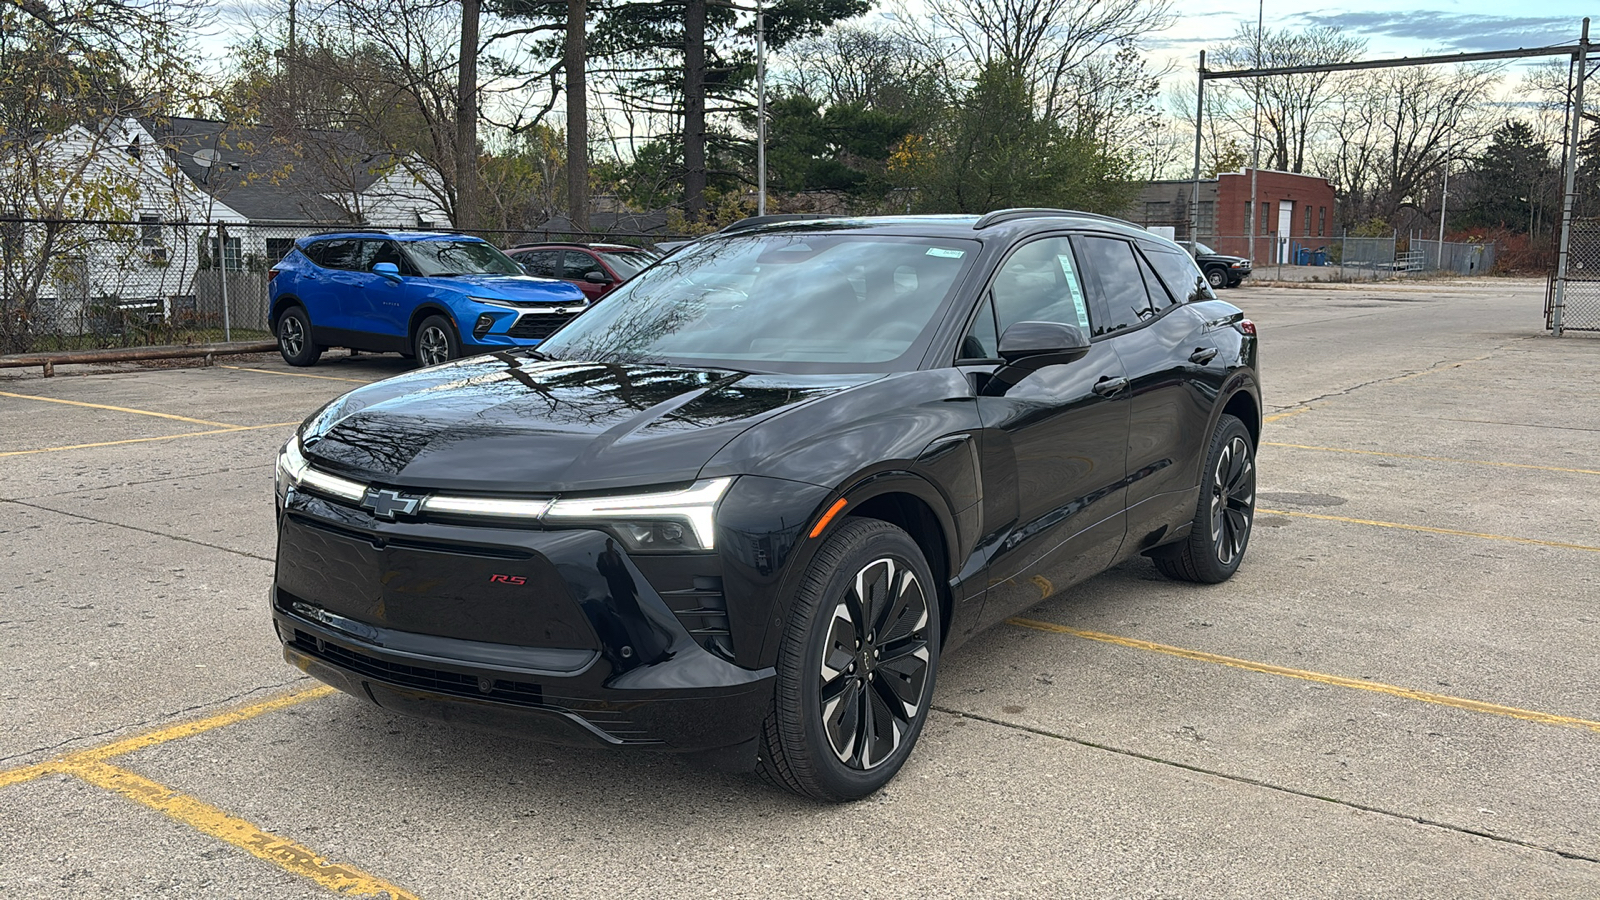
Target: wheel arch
(913, 505)
(1244, 407)
(278, 306)
(425, 310)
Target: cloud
(1463, 33)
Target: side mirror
(597, 277)
(1034, 345)
(387, 270)
(1030, 346)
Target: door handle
(1108, 387)
(1203, 355)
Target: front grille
(519, 693)
(538, 326)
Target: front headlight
(294, 471)
(503, 304)
(662, 520)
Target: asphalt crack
(149, 531)
(1282, 789)
(160, 719)
(1436, 367)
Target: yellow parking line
(1478, 706)
(122, 409)
(203, 817)
(295, 374)
(1284, 415)
(161, 736)
(1475, 462)
(1431, 530)
(146, 440)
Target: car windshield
(786, 302)
(447, 258)
(628, 263)
(1202, 250)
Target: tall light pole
(1255, 141)
(1444, 196)
(761, 108)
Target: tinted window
(1159, 298)
(385, 251)
(628, 263)
(575, 264)
(539, 262)
(341, 254)
(1040, 283)
(1181, 276)
(982, 340)
(1111, 265)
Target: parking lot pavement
(1394, 695)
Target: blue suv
(427, 295)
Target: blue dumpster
(1320, 257)
(1302, 256)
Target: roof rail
(354, 229)
(1010, 215)
(758, 221)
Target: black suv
(743, 506)
(1220, 269)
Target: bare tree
(1046, 42)
(1293, 107)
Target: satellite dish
(207, 158)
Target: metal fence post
(222, 263)
(1559, 303)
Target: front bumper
(582, 650)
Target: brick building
(1293, 211)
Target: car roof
(1002, 224)
(555, 245)
(393, 235)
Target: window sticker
(1077, 293)
(942, 253)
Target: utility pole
(1558, 305)
(694, 109)
(1255, 141)
(577, 118)
(467, 119)
(1199, 125)
(761, 108)
(1444, 194)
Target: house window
(150, 232)
(1308, 220)
(1155, 211)
(230, 253)
(1206, 217)
(1263, 227)
(278, 248)
(1322, 221)
(1249, 217)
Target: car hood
(509, 422)
(1221, 258)
(510, 287)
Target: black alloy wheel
(294, 338)
(435, 342)
(1217, 278)
(1225, 513)
(856, 671)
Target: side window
(1040, 283)
(1114, 271)
(385, 251)
(983, 339)
(575, 264)
(341, 254)
(1159, 299)
(313, 251)
(1180, 274)
(539, 262)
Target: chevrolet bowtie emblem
(386, 504)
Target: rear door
(1054, 446)
(341, 288)
(543, 263)
(1165, 351)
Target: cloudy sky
(1391, 29)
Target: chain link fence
(1581, 299)
(1345, 258)
(71, 285)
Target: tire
(435, 342)
(1217, 278)
(1224, 514)
(294, 338)
(844, 735)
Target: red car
(595, 268)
